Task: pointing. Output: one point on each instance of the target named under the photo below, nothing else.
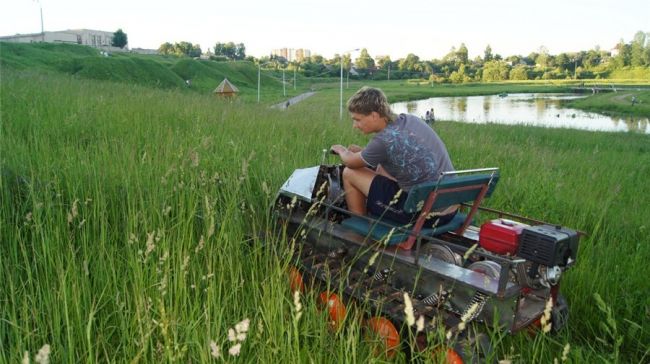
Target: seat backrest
(451, 190)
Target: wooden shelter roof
(226, 87)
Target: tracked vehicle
(497, 269)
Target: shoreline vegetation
(127, 211)
(172, 72)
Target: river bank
(620, 103)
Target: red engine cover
(501, 236)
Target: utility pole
(42, 28)
(294, 78)
(259, 72)
(284, 85)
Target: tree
(195, 51)
(462, 54)
(543, 57)
(487, 54)
(519, 72)
(383, 62)
(637, 52)
(459, 76)
(409, 63)
(364, 61)
(450, 57)
(231, 50)
(166, 48)
(120, 39)
(180, 49)
(495, 71)
(564, 62)
(240, 52)
(183, 48)
(623, 57)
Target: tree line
(222, 51)
(454, 67)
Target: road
(285, 104)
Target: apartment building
(93, 38)
(291, 54)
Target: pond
(535, 109)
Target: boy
(404, 152)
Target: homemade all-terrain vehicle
(503, 273)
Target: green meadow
(128, 210)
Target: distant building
(92, 38)
(207, 55)
(144, 51)
(291, 54)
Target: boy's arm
(349, 158)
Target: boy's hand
(338, 149)
(354, 148)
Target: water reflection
(487, 105)
(412, 107)
(461, 103)
(530, 109)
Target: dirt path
(296, 99)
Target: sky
(426, 28)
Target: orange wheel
(385, 334)
(335, 308)
(295, 280)
(449, 355)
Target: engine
(548, 249)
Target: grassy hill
(149, 70)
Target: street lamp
(259, 74)
(42, 29)
(341, 103)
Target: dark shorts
(383, 191)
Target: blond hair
(369, 99)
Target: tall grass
(130, 219)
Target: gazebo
(226, 89)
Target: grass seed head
(420, 324)
(43, 356)
(200, 246)
(546, 316)
(565, 352)
(74, 211)
(470, 251)
(408, 310)
(150, 243)
(395, 198)
(215, 350)
(297, 305)
(242, 326)
(235, 349)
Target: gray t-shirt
(409, 150)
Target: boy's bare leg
(356, 183)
